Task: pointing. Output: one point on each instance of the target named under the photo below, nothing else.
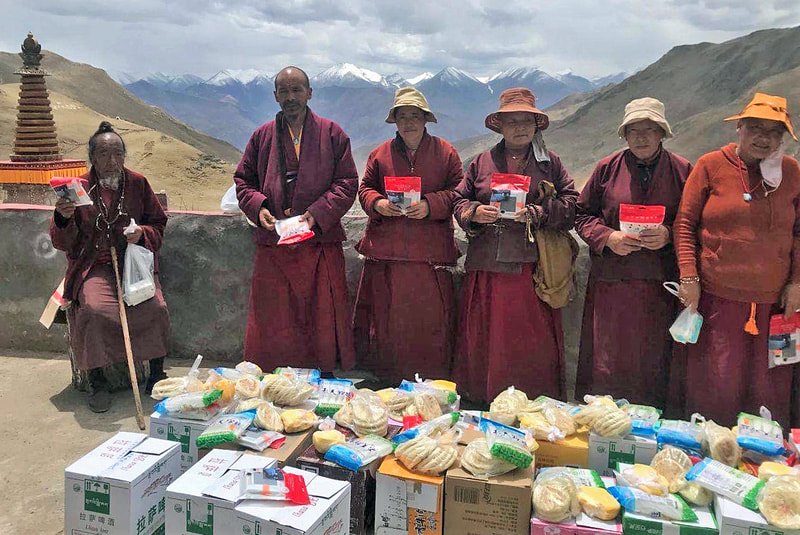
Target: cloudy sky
(593, 38)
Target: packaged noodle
(293, 230)
(722, 444)
(644, 478)
(739, 487)
(359, 452)
(670, 506)
(760, 433)
(225, 428)
(681, 434)
(779, 502)
(507, 405)
(332, 395)
(555, 497)
(508, 443)
(478, 461)
(643, 418)
(231, 374)
(184, 403)
(673, 464)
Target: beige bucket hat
(410, 96)
(645, 108)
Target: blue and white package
(681, 433)
(332, 395)
(507, 443)
(727, 481)
(670, 506)
(359, 452)
(760, 434)
(644, 419)
(442, 423)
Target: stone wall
(206, 266)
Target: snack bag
(225, 428)
(760, 433)
(670, 506)
(644, 478)
(686, 327)
(293, 230)
(403, 191)
(71, 189)
(259, 440)
(332, 395)
(509, 192)
(272, 484)
(727, 481)
(359, 452)
(644, 419)
(186, 402)
(308, 375)
(446, 396)
(508, 443)
(634, 218)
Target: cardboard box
(573, 451)
(362, 482)
(735, 519)
(706, 524)
(605, 453)
(407, 503)
(495, 506)
(286, 455)
(179, 430)
(119, 487)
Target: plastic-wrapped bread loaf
(722, 445)
(555, 498)
(613, 423)
(507, 405)
(478, 461)
(779, 502)
(673, 464)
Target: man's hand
(654, 238)
(485, 214)
(689, 294)
(135, 236)
(623, 244)
(65, 208)
(308, 218)
(266, 219)
(387, 208)
(419, 210)
(521, 216)
(791, 300)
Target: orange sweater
(742, 251)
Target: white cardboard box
(179, 430)
(119, 487)
(605, 453)
(735, 519)
(204, 501)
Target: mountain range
(230, 104)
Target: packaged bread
(344, 416)
(249, 368)
(324, 440)
(414, 451)
(695, 494)
(673, 464)
(597, 502)
(370, 415)
(437, 461)
(548, 423)
(248, 387)
(478, 461)
(779, 502)
(722, 445)
(614, 423)
(285, 391)
(427, 406)
(507, 405)
(644, 478)
(555, 497)
(768, 470)
(297, 420)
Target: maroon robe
(90, 284)
(508, 336)
(404, 316)
(298, 299)
(627, 313)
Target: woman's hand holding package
(387, 208)
(791, 299)
(654, 238)
(486, 214)
(623, 244)
(689, 294)
(419, 210)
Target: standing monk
(298, 165)
(404, 309)
(87, 234)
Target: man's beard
(111, 181)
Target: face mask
(772, 168)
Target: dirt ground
(48, 427)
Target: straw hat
(410, 96)
(645, 108)
(770, 107)
(517, 99)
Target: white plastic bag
(229, 203)
(138, 281)
(686, 327)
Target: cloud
(480, 36)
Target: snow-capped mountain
(237, 76)
(548, 88)
(610, 79)
(420, 78)
(396, 80)
(347, 75)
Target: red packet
(784, 340)
(410, 422)
(634, 218)
(71, 189)
(293, 230)
(403, 191)
(509, 192)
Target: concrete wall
(206, 266)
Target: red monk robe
(90, 284)
(298, 299)
(625, 346)
(508, 336)
(404, 309)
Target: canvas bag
(554, 277)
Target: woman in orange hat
(627, 313)
(508, 336)
(404, 315)
(737, 237)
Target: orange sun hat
(768, 107)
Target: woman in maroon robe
(625, 346)
(404, 308)
(508, 336)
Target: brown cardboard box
(573, 451)
(495, 506)
(286, 455)
(407, 503)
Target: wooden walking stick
(123, 316)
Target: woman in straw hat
(627, 313)
(404, 308)
(508, 336)
(737, 236)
